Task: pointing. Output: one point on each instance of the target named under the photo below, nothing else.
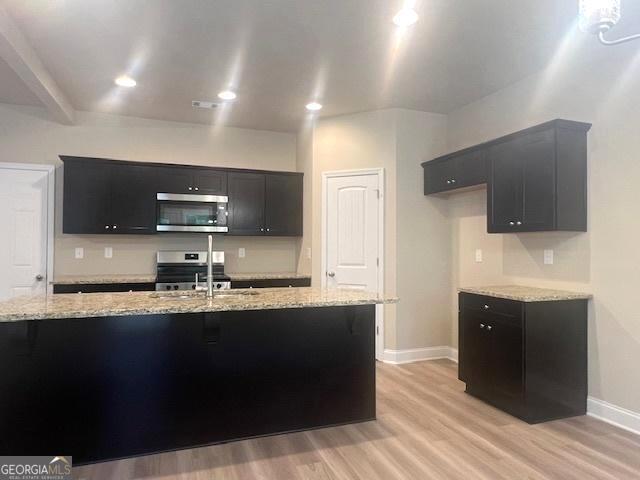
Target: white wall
(27, 135)
(591, 84)
(417, 246)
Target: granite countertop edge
(151, 278)
(66, 306)
(526, 294)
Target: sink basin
(235, 294)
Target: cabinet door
(474, 360)
(87, 197)
(505, 197)
(537, 155)
(210, 182)
(470, 169)
(283, 205)
(436, 176)
(246, 203)
(173, 180)
(506, 359)
(133, 199)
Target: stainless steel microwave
(178, 212)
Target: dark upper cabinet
(246, 203)
(509, 359)
(87, 196)
(460, 170)
(110, 196)
(283, 204)
(190, 180)
(133, 199)
(538, 180)
(107, 197)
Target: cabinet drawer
(492, 305)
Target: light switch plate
(241, 253)
(548, 257)
(79, 253)
(108, 252)
(309, 252)
(478, 255)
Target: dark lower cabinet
(271, 283)
(114, 387)
(528, 359)
(104, 287)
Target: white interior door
(352, 238)
(23, 240)
(352, 232)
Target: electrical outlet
(309, 253)
(79, 253)
(478, 255)
(108, 252)
(548, 257)
(241, 253)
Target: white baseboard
(398, 357)
(618, 416)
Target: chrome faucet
(210, 268)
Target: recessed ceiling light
(405, 17)
(125, 81)
(314, 106)
(227, 95)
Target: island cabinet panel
(114, 387)
(529, 359)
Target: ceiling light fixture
(125, 81)
(314, 106)
(227, 95)
(405, 17)
(600, 16)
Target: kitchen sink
(200, 295)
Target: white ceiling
(280, 54)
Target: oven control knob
(175, 287)
(168, 287)
(193, 287)
(219, 285)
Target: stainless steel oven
(178, 212)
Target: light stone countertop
(80, 305)
(525, 294)
(151, 278)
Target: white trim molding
(398, 357)
(610, 413)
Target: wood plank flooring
(427, 428)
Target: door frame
(50, 194)
(379, 172)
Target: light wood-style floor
(427, 428)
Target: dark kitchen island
(107, 376)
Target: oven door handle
(189, 197)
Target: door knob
(39, 277)
(331, 274)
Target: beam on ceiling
(22, 58)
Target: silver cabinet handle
(453, 180)
(486, 307)
(518, 223)
(268, 230)
(489, 327)
(262, 229)
(196, 189)
(512, 223)
(106, 227)
(190, 188)
(115, 226)
(448, 181)
(482, 325)
(39, 277)
(331, 274)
